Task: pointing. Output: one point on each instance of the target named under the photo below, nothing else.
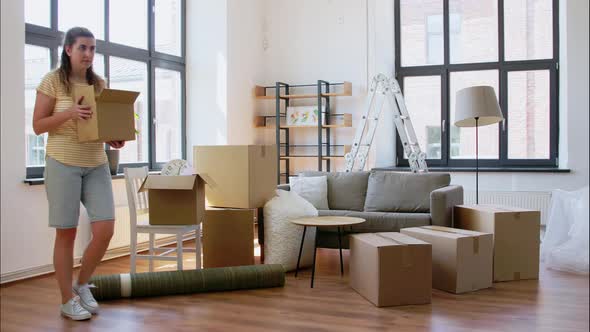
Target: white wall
(245, 67)
(224, 62)
(206, 73)
(311, 40)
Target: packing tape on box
(457, 231)
(127, 285)
(407, 260)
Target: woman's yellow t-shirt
(62, 143)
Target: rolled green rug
(117, 286)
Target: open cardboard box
(175, 200)
(113, 116)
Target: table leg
(300, 250)
(340, 248)
(315, 248)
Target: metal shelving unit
(283, 93)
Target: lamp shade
(477, 102)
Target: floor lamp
(477, 106)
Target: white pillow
(282, 238)
(313, 189)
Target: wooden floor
(556, 302)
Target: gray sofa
(388, 201)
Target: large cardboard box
(113, 117)
(461, 259)
(175, 200)
(516, 237)
(228, 237)
(391, 269)
(238, 176)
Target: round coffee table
(322, 222)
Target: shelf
(260, 121)
(260, 93)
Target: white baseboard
(110, 254)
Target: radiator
(534, 200)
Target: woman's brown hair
(65, 68)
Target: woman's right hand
(78, 111)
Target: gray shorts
(67, 186)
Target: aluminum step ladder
(383, 88)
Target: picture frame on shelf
(304, 115)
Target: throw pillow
(282, 238)
(312, 189)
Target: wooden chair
(139, 221)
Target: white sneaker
(73, 310)
(86, 299)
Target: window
(145, 54)
(447, 45)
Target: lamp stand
(476, 161)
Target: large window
(447, 45)
(140, 47)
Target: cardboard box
(113, 116)
(238, 176)
(175, 200)
(391, 269)
(228, 237)
(461, 259)
(516, 237)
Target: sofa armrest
(442, 202)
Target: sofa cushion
(346, 190)
(377, 221)
(402, 192)
(312, 189)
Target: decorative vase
(113, 157)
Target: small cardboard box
(175, 200)
(238, 176)
(391, 269)
(228, 237)
(516, 237)
(113, 117)
(461, 259)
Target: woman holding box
(74, 172)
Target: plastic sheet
(565, 246)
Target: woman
(74, 172)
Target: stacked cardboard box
(239, 180)
(516, 237)
(461, 259)
(391, 269)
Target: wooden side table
(322, 222)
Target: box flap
(454, 230)
(495, 208)
(179, 182)
(401, 239)
(117, 96)
(388, 239)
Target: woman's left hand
(116, 144)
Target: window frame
(52, 38)
(503, 67)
